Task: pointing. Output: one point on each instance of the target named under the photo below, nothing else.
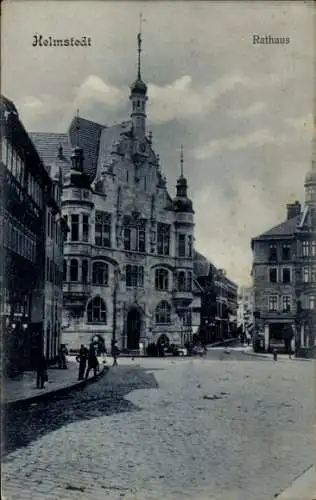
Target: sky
(242, 111)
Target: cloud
(250, 111)
(94, 88)
(236, 142)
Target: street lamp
(298, 320)
(116, 282)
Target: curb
(302, 488)
(46, 395)
(267, 356)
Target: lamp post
(116, 282)
(298, 320)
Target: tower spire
(181, 160)
(139, 46)
(77, 127)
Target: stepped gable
(86, 134)
(286, 228)
(110, 136)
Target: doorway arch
(133, 328)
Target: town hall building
(128, 257)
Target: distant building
(245, 318)
(284, 274)
(26, 195)
(218, 298)
(128, 263)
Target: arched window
(100, 273)
(73, 270)
(163, 312)
(85, 269)
(138, 104)
(181, 281)
(65, 270)
(161, 279)
(96, 311)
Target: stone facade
(284, 274)
(128, 258)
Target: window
(306, 274)
(286, 252)
(85, 228)
(273, 275)
(135, 237)
(74, 227)
(273, 303)
(163, 238)
(85, 270)
(103, 229)
(190, 245)
(286, 275)
(184, 281)
(181, 245)
(163, 312)
(272, 252)
(286, 303)
(305, 249)
(313, 248)
(100, 273)
(181, 281)
(161, 279)
(66, 232)
(134, 276)
(65, 270)
(96, 311)
(73, 270)
(311, 302)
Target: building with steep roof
(128, 258)
(284, 275)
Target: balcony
(76, 290)
(182, 298)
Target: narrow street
(214, 428)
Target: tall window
(184, 281)
(163, 312)
(96, 311)
(273, 275)
(286, 303)
(273, 303)
(272, 252)
(85, 228)
(134, 276)
(73, 270)
(163, 238)
(305, 249)
(85, 269)
(181, 245)
(75, 227)
(286, 275)
(286, 252)
(66, 232)
(162, 279)
(100, 273)
(135, 237)
(181, 281)
(313, 248)
(190, 245)
(306, 274)
(311, 302)
(103, 228)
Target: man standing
(40, 367)
(115, 353)
(92, 361)
(82, 360)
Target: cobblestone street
(237, 429)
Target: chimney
(293, 209)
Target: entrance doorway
(133, 329)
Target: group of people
(88, 360)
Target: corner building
(128, 258)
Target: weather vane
(181, 160)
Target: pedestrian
(92, 361)
(41, 369)
(82, 360)
(63, 352)
(275, 354)
(115, 353)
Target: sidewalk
(303, 488)
(284, 357)
(24, 389)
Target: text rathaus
(129, 252)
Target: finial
(158, 159)
(77, 127)
(150, 136)
(139, 43)
(181, 160)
